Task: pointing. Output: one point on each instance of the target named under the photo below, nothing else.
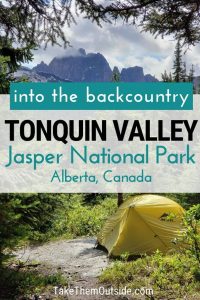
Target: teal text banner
(101, 96)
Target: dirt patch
(72, 257)
(77, 259)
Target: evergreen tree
(160, 17)
(166, 77)
(191, 74)
(184, 73)
(5, 76)
(115, 75)
(178, 66)
(170, 77)
(10, 60)
(191, 77)
(42, 21)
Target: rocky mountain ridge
(83, 67)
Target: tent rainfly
(141, 225)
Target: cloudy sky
(122, 45)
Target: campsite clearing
(78, 260)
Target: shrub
(79, 219)
(22, 216)
(192, 231)
(170, 276)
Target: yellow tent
(142, 224)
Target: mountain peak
(78, 65)
(133, 74)
(82, 51)
(42, 67)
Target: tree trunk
(119, 199)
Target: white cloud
(122, 45)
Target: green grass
(24, 282)
(174, 276)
